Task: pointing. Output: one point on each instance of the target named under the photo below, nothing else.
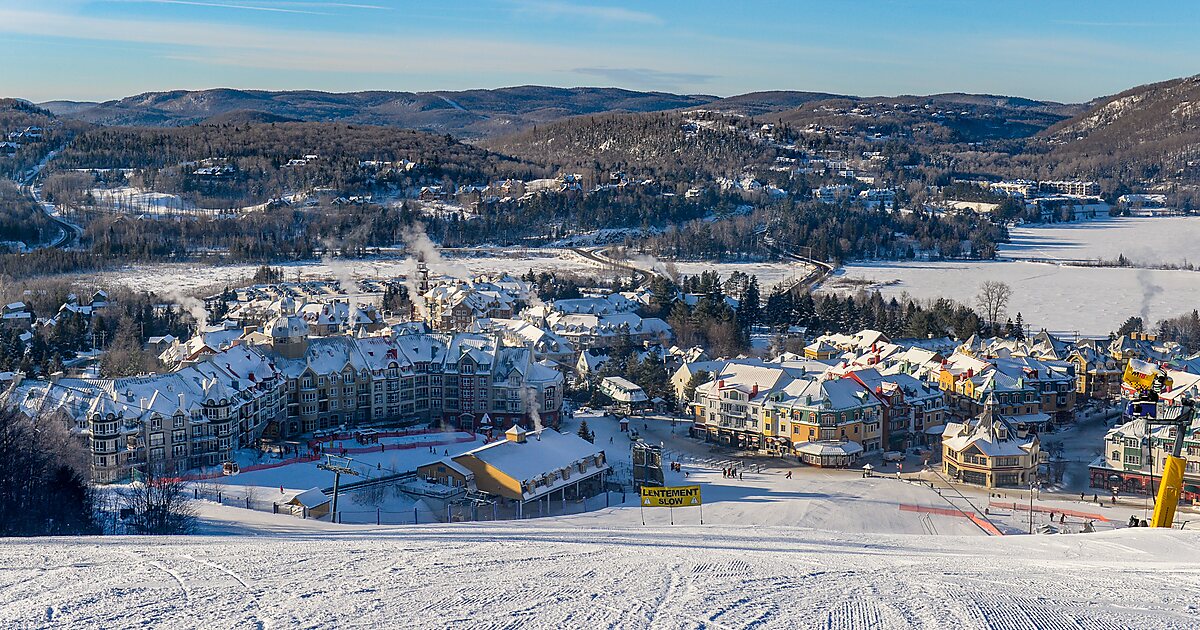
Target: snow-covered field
(1093, 301)
(769, 273)
(1143, 240)
(182, 277)
(185, 277)
(547, 574)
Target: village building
(1097, 374)
(990, 451)
(281, 383)
(457, 306)
(527, 469)
(914, 412)
(627, 397)
(831, 411)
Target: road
(819, 268)
(597, 254)
(70, 234)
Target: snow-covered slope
(546, 574)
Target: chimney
(970, 372)
(754, 390)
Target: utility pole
(1031, 508)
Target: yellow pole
(1168, 492)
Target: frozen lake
(1092, 301)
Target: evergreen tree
(586, 433)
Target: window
(1135, 460)
(156, 423)
(178, 436)
(179, 450)
(157, 453)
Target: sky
(1048, 49)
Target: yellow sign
(678, 496)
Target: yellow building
(528, 466)
(821, 351)
(989, 451)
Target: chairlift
(230, 469)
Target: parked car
(893, 456)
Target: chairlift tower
(338, 466)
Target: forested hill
(940, 118)
(465, 114)
(264, 161)
(1151, 132)
(665, 146)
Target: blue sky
(1066, 51)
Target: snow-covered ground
(547, 574)
(822, 549)
(184, 277)
(1093, 301)
(769, 273)
(1143, 240)
(132, 199)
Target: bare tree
(158, 505)
(992, 299)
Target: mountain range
(1147, 133)
(466, 114)
(475, 114)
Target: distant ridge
(466, 114)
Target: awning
(829, 449)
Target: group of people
(1135, 522)
(731, 473)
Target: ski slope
(548, 574)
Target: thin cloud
(332, 5)
(1113, 24)
(304, 50)
(646, 77)
(222, 5)
(590, 11)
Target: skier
(788, 475)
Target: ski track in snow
(555, 574)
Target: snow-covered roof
(830, 449)
(311, 498)
(991, 434)
(542, 452)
